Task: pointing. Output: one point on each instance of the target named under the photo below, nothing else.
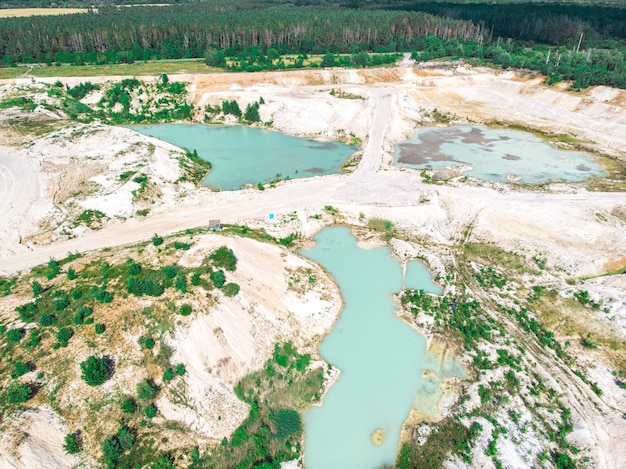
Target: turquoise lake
(495, 154)
(380, 357)
(242, 155)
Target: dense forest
(181, 31)
(372, 4)
(580, 43)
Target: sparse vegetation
(378, 224)
(273, 428)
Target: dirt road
(385, 191)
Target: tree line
(585, 68)
(584, 44)
(184, 31)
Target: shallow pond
(380, 357)
(495, 155)
(242, 155)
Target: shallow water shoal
(495, 155)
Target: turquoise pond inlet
(242, 155)
(495, 155)
(379, 356)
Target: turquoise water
(495, 154)
(244, 155)
(380, 358)
(417, 277)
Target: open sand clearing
(394, 100)
(579, 232)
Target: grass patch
(490, 254)
(379, 224)
(35, 127)
(614, 181)
(134, 69)
(247, 232)
(11, 72)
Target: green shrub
(147, 342)
(146, 390)
(18, 393)
(37, 288)
(170, 271)
(72, 443)
(83, 313)
(99, 328)
(140, 287)
(180, 369)
(61, 303)
(218, 278)
(224, 257)
(185, 309)
(81, 90)
(102, 295)
(126, 438)
(231, 107)
(15, 335)
(239, 437)
(231, 289)
(71, 274)
(288, 240)
(95, 371)
(53, 269)
(150, 411)
(157, 240)
(181, 282)
(134, 268)
(33, 339)
(64, 335)
(19, 369)
(252, 113)
(183, 246)
(128, 405)
(27, 311)
(111, 451)
(164, 461)
(196, 279)
(46, 320)
(168, 375)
